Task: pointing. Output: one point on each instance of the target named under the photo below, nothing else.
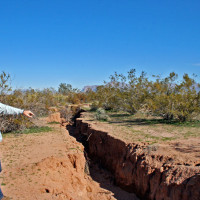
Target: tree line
(170, 97)
(167, 97)
(39, 101)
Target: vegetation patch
(168, 138)
(35, 129)
(150, 129)
(165, 97)
(142, 119)
(54, 123)
(101, 115)
(190, 134)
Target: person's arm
(28, 113)
(9, 110)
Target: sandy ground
(50, 166)
(182, 144)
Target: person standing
(9, 110)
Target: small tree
(136, 91)
(171, 99)
(65, 89)
(187, 98)
(4, 84)
(162, 96)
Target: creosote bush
(38, 101)
(101, 115)
(66, 113)
(94, 106)
(165, 97)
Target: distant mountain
(92, 87)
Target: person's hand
(28, 113)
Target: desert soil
(182, 144)
(50, 166)
(159, 169)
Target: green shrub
(35, 129)
(101, 115)
(94, 106)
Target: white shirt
(9, 110)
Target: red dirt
(47, 166)
(152, 172)
(55, 117)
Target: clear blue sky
(83, 42)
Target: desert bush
(187, 99)
(173, 100)
(124, 93)
(166, 97)
(38, 101)
(14, 123)
(73, 95)
(4, 84)
(65, 89)
(162, 96)
(94, 106)
(101, 115)
(66, 113)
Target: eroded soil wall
(137, 169)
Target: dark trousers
(1, 194)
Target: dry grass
(141, 127)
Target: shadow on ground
(106, 180)
(123, 120)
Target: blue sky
(83, 42)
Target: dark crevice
(47, 191)
(111, 154)
(96, 168)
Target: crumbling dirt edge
(149, 176)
